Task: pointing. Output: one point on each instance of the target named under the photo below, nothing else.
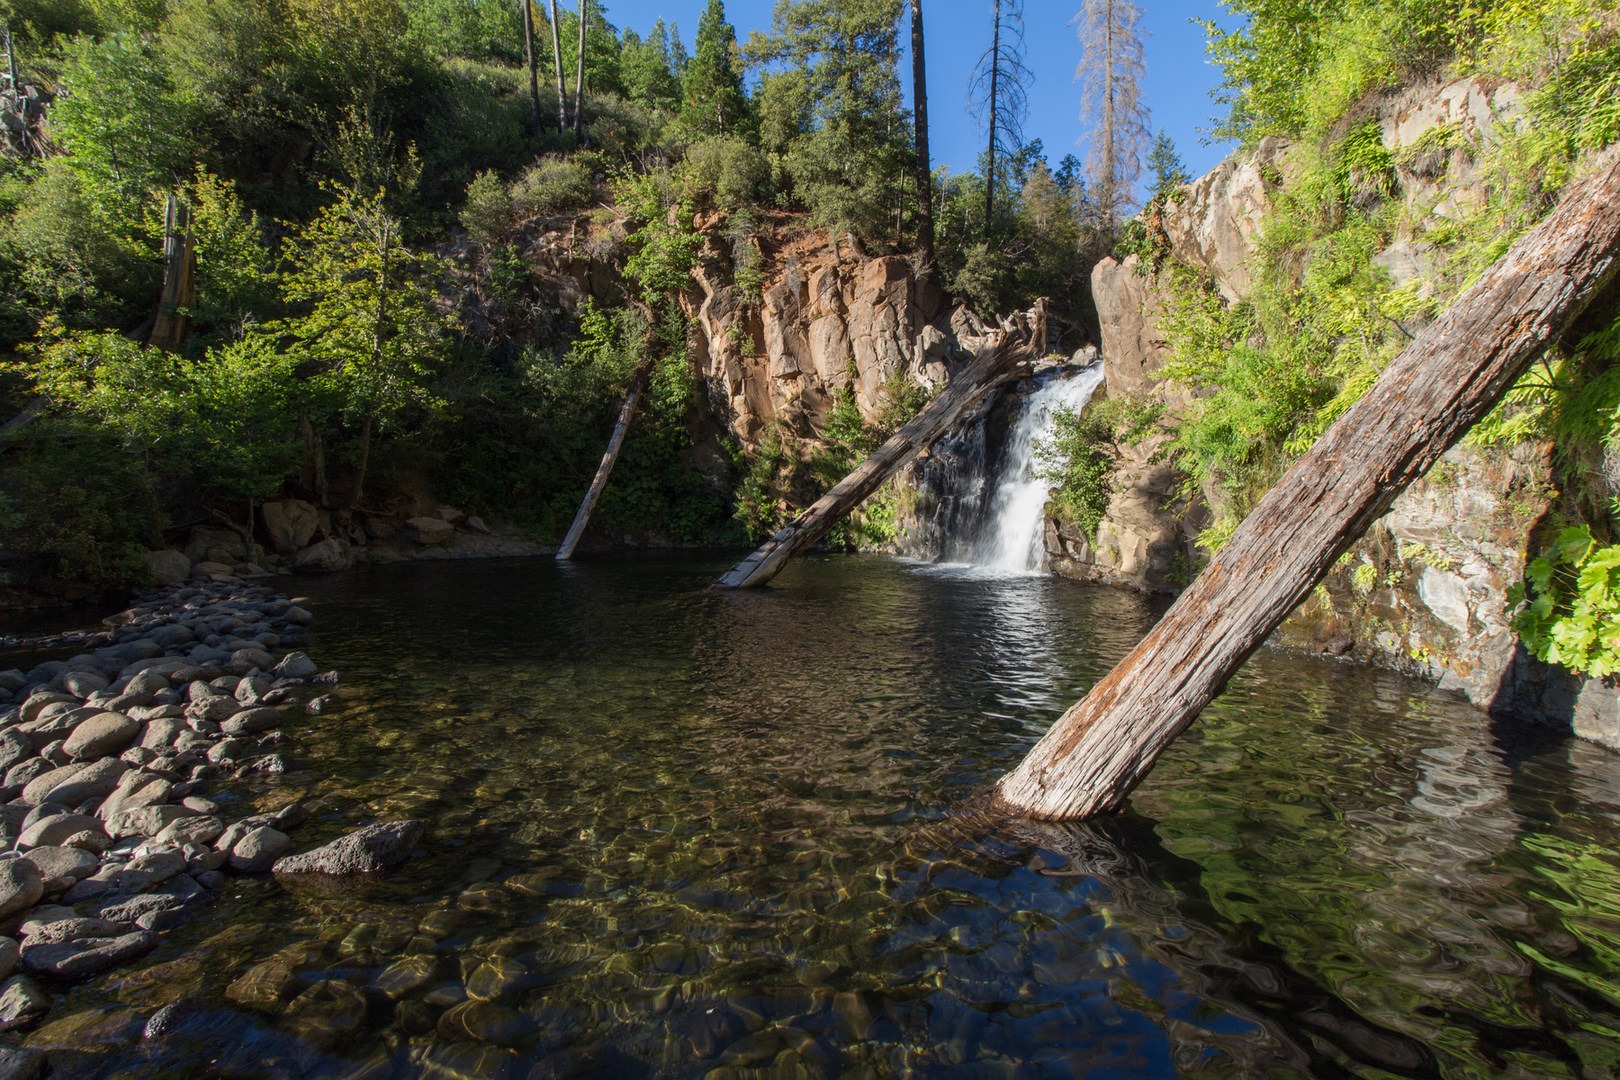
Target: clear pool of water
(679, 832)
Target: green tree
(120, 118)
(713, 101)
(236, 280)
(648, 69)
(372, 330)
(830, 106)
(1165, 165)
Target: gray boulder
(373, 848)
(329, 555)
(259, 849)
(168, 567)
(86, 956)
(102, 734)
(21, 886)
(290, 523)
(430, 531)
(22, 1003)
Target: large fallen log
(1015, 345)
(1427, 399)
(627, 413)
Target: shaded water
(687, 833)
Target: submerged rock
(373, 848)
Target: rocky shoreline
(110, 829)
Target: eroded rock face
(1145, 540)
(1220, 215)
(827, 320)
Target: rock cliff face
(1426, 590)
(827, 318)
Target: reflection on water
(681, 832)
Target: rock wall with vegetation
(1245, 310)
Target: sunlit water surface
(679, 832)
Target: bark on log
(1427, 399)
(627, 412)
(1013, 346)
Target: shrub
(551, 185)
(726, 172)
(487, 213)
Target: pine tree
(714, 102)
(832, 107)
(1110, 74)
(1165, 165)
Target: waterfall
(987, 506)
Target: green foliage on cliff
(1573, 615)
(1323, 315)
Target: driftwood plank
(1013, 346)
(1427, 399)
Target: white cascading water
(994, 521)
(1010, 540)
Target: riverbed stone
(149, 790)
(327, 1014)
(258, 851)
(100, 735)
(55, 829)
(191, 830)
(430, 531)
(160, 732)
(35, 790)
(22, 1003)
(21, 886)
(145, 820)
(252, 721)
(367, 850)
(406, 976)
(14, 747)
(61, 867)
(95, 781)
(87, 956)
(9, 952)
(81, 684)
(151, 869)
(290, 524)
(327, 556)
(296, 665)
(72, 928)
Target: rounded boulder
(101, 735)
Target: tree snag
(1426, 400)
(627, 413)
(1012, 347)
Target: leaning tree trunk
(1427, 399)
(627, 413)
(1002, 361)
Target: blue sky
(1177, 87)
